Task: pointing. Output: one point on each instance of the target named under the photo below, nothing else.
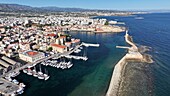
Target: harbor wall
(133, 54)
(116, 77)
(118, 71)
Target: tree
(50, 49)
(106, 23)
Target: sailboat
(85, 54)
(35, 74)
(40, 74)
(46, 76)
(69, 64)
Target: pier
(75, 57)
(90, 45)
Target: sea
(92, 77)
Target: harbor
(31, 70)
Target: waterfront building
(61, 40)
(31, 56)
(6, 66)
(59, 48)
(12, 62)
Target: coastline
(133, 54)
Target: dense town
(27, 41)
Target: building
(12, 62)
(59, 48)
(75, 42)
(24, 46)
(31, 56)
(61, 40)
(5, 65)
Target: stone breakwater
(133, 54)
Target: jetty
(90, 45)
(133, 54)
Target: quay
(133, 54)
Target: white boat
(20, 90)
(29, 71)
(22, 85)
(81, 47)
(70, 65)
(15, 81)
(46, 76)
(25, 70)
(40, 74)
(35, 74)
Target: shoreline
(133, 54)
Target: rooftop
(57, 45)
(32, 53)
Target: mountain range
(25, 8)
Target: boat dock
(75, 57)
(90, 45)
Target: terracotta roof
(62, 37)
(52, 35)
(57, 45)
(32, 53)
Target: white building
(31, 56)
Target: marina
(31, 70)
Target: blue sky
(97, 4)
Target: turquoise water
(91, 78)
